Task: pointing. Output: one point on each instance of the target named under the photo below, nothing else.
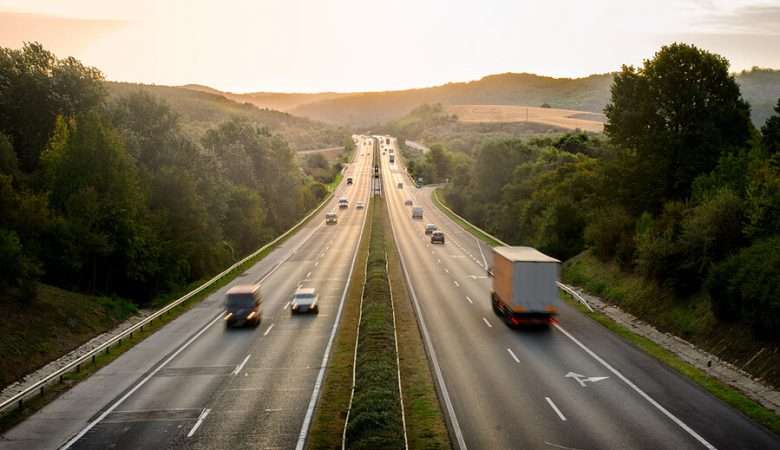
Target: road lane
(509, 406)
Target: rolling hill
(202, 108)
(760, 87)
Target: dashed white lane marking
(469, 299)
(286, 305)
(512, 354)
(238, 368)
(438, 260)
(456, 283)
(199, 422)
(316, 264)
(269, 329)
(447, 271)
(487, 323)
(642, 393)
(322, 254)
(555, 408)
(308, 275)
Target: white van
(417, 212)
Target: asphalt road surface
(509, 389)
(204, 386)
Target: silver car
(305, 300)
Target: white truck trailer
(525, 289)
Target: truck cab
(243, 306)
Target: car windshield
(236, 301)
(304, 298)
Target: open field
(564, 118)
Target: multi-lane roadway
(574, 386)
(196, 384)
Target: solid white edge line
(219, 316)
(320, 375)
(238, 368)
(487, 323)
(199, 422)
(271, 327)
(143, 381)
(555, 408)
(453, 418)
(512, 354)
(639, 391)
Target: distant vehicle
(430, 228)
(392, 158)
(343, 203)
(349, 180)
(437, 237)
(360, 205)
(243, 306)
(331, 218)
(305, 300)
(417, 212)
(376, 171)
(525, 289)
(400, 185)
(408, 203)
(388, 141)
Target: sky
(368, 45)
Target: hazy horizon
(359, 46)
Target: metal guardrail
(568, 289)
(57, 376)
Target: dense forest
(107, 194)
(682, 190)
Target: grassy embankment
(375, 418)
(60, 321)
(690, 319)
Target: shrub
(747, 286)
(610, 233)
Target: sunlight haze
(310, 46)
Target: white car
(305, 300)
(360, 205)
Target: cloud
(754, 20)
(65, 36)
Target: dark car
(349, 180)
(243, 306)
(437, 237)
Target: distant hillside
(271, 100)
(201, 108)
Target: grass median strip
(375, 416)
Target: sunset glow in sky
(358, 45)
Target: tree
(441, 162)
(770, 132)
(680, 111)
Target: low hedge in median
(375, 420)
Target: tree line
(109, 196)
(683, 189)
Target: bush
(747, 286)
(610, 233)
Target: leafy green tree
(680, 111)
(35, 87)
(770, 132)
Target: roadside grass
(375, 416)
(726, 393)
(331, 411)
(52, 391)
(689, 318)
(465, 225)
(425, 425)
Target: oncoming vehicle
(417, 212)
(243, 305)
(360, 205)
(305, 300)
(430, 228)
(408, 203)
(400, 185)
(437, 237)
(349, 180)
(343, 203)
(331, 218)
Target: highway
(196, 384)
(509, 389)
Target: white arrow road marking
(582, 379)
(199, 422)
(555, 408)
